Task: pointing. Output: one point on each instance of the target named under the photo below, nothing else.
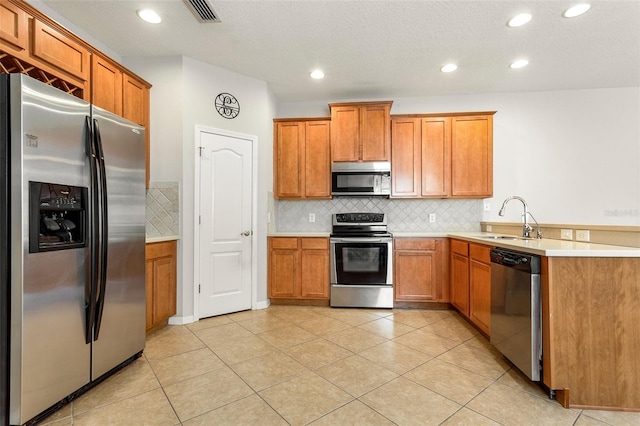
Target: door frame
(196, 213)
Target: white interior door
(225, 232)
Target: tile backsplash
(162, 212)
(402, 215)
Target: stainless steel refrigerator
(72, 241)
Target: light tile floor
(300, 365)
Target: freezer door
(49, 356)
(122, 300)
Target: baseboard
(263, 305)
(176, 320)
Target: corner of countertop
(161, 238)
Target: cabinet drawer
(284, 243)
(480, 253)
(161, 249)
(315, 243)
(460, 247)
(414, 244)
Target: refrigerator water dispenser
(57, 217)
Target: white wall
(183, 96)
(573, 155)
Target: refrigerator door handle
(104, 229)
(91, 287)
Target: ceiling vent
(202, 10)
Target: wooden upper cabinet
(14, 30)
(317, 159)
(405, 157)
(423, 161)
(345, 133)
(375, 131)
(60, 50)
(135, 100)
(106, 84)
(360, 131)
(289, 149)
(301, 159)
(472, 156)
(436, 156)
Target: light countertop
(162, 238)
(549, 247)
(543, 247)
(298, 234)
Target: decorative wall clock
(227, 105)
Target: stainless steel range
(361, 261)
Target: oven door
(361, 261)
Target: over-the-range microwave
(361, 179)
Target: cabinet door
(161, 282)
(283, 267)
(289, 155)
(472, 156)
(405, 157)
(480, 294)
(60, 51)
(106, 84)
(314, 262)
(460, 283)
(14, 31)
(345, 133)
(375, 133)
(317, 161)
(436, 157)
(415, 275)
(135, 100)
(164, 288)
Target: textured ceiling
(382, 49)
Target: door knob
(246, 233)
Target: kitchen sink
(502, 237)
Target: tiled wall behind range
(402, 215)
(163, 214)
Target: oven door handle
(360, 240)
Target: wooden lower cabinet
(590, 333)
(298, 268)
(471, 282)
(161, 282)
(460, 276)
(420, 270)
(480, 286)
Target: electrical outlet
(489, 228)
(582, 235)
(312, 217)
(487, 206)
(566, 234)
(432, 218)
(268, 217)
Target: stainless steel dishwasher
(516, 309)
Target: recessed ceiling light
(150, 16)
(576, 10)
(519, 63)
(316, 74)
(449, 68)
(519, 20)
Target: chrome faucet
(526, 228)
